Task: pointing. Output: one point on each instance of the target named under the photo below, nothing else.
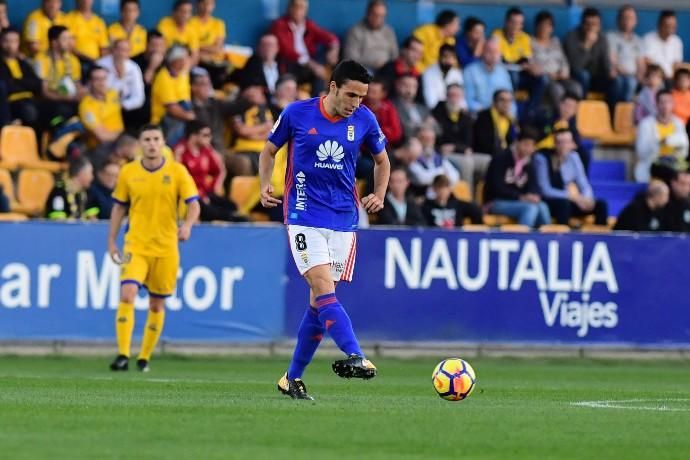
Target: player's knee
(128, 292)
(156, 304)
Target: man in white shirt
(438, 76)
(662, 46)
(125, 76)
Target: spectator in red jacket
(299, 39)
(385, 111)
(206, 167)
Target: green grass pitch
(222, 408)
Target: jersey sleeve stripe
(288, 181)
(123, 203)
(191, 198)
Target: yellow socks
(124, 326)
(152, 332)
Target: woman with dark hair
(548, 54)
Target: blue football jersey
(320, 186)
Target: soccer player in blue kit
(324, 137)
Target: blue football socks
(309, 337)
(338, 324)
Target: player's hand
(184, 232)
(372, 203)
(267, 198)
(115, 253)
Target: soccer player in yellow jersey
(148, 192)
(36, 26)
(128, 29)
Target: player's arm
(193, 211)
(382, 170)
(116, 217)
(266, 163)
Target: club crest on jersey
(350, 133)
(166, 179)
(330, 150)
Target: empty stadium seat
(19, 149)
(495, 220)
(242, 190)
(33, 188)
(616, 194)
(594, 122)
(12, 217)
(7, 184)
(554, 228)
(461, 191)
(607, 170)
(515, 228)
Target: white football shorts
(312, 246)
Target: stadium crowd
(482, 126)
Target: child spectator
(446, 211)
(681, 95)
(646, 100)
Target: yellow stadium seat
(479, 193)
(7, 184)
(587, 228)
(623, 118)
(475, 228)
(515, 228)
(495, 220)
(19, 149)
(594, 122)
(461, 191)
(12, 217)
(242, 188)
(33, 188)
(554, 228)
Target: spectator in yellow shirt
(212, 35)
(37, 24)
(171, 95)
(60, 71)
(128, 29)
(88, 30)
(516, 50)
(100, 112)
(253, 123)
(178, 29)
(432, 36)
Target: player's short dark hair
(663, 14)
(471, 22)
(350, 70)
(528, 132)
(590, 12)
(179, 3)
(124, 3)
(498, 93)
(409, 40)
(543, 16)
(445, 17)
(195, 127)
(662, 92)
(446, 48)
(150, 127)
(55, 31)
(440, 181)
(513, 11)
(76, 165)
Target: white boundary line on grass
(624, 404)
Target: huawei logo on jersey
(332, 150)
